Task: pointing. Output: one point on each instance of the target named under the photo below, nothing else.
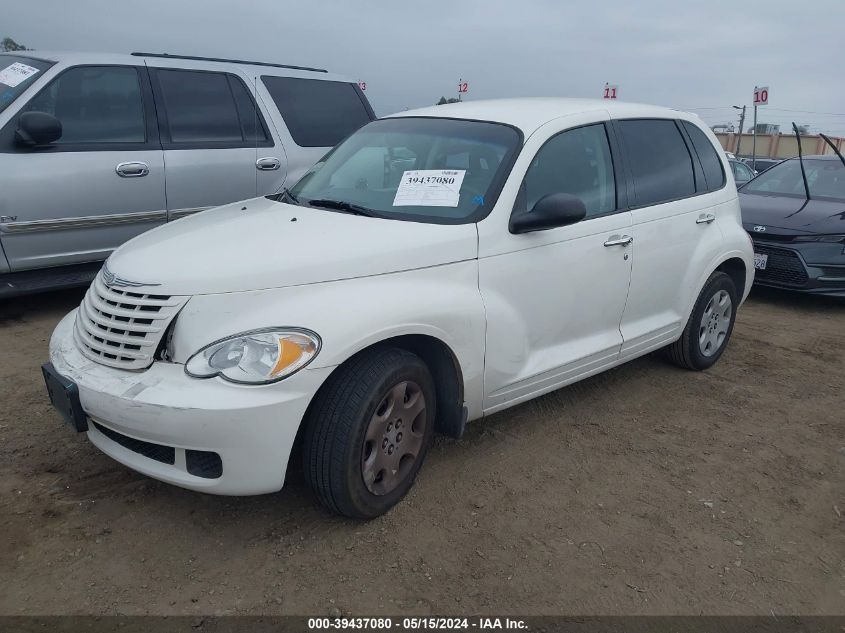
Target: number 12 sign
(610, 91)
(761, 96)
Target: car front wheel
(368, 432)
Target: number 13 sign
(761, 96)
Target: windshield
(445, 171)
(17, 73)
(826, 179)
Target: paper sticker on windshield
(430, 188)
(16, 73)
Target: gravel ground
(647, 489)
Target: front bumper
(788, 268)
(251, 428)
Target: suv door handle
(269, 163)
(619, 240)
(705, 218)
(132, 169)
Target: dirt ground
(647, 489)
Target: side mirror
(551, 211)
(38, 128)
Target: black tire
(337, 423)
(686, 352)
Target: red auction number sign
(610, 91)
(463, 87)
(761, 96)
(362, 85)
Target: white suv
(435, 267)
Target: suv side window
(317, 113)
(95, 104)
(714, 175)
(576, 162)
(202, 107)
(659, 160)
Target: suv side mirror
(551, 211)
(38, 128)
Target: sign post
(463, 88)
(761, 97)
(610, 91)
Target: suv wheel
(709, 327)
(368, 432)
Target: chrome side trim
(175, 214)
(62, 224)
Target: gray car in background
(98, 148)
(742, 172)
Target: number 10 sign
(761, 96)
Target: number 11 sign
(610, 91)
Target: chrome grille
(120, 328)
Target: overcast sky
(693, 55)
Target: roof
(529, 113)
(175, 61)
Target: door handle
(619, 240)
(705, 218)
(133, 169)
(268, 163)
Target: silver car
(97, 148)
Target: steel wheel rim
(394, 438)
(715, 323)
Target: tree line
(7, 44)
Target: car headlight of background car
(823, 239)
(256, 357)
(820, 238)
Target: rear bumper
(160, 421)
(787, 268)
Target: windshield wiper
(801, 160)
(341, 205)
(283, 196)
(285, 193)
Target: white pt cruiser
(435, 267)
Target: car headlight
(830, 239)
(257, 357)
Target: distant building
(766, 128)
(779, 145)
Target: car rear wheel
(709, 327)
(368, 432)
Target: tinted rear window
(659, 160)
(317, 113)
(200, 106)
(714, 175)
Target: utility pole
(741, 123)
(754, 137)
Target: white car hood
(259, 243)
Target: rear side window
(208, 107)
(714, 175)
(95, 104)
(660, 162)
(317, 113)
